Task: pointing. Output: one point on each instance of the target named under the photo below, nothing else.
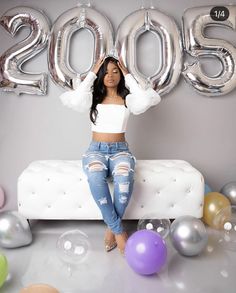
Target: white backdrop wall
(185, 125)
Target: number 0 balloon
(156, 22)
(66, 24)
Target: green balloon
(3, 269)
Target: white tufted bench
(56, 189)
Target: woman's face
(112, 76)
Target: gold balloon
(214, 203)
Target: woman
(104, 92)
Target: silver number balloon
(12, 77)
(14, 230)
(62, 30)
(195, 20)
(156, 22)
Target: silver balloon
(195, 21)
(12, 77)
(188, 235)
(14, 230)
(165, 27)
(59, 48)
(229, 190)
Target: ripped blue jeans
(103, 160)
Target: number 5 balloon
(12, 77)
(195, 21)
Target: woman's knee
(123, 177)
(94, 167)
(124, 165)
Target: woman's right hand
(98, 65)
(122, 67)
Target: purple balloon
(146, 252)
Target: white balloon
(64, 27)
(195, 20)
(12, 77)
(159, 23)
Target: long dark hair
(100, 90)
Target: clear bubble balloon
(73, 246)
(151, 222)
(226, 219)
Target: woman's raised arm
(80, 99)
(139, 100)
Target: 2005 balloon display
(196, 44)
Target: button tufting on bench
(57, 189)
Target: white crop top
(111, 118)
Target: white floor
(213, 271)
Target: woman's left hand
(122, 67)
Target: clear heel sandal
(109, 242)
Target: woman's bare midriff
(108, 137)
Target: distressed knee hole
(96, 166)
(102, 200)
(124, 187)
(122, 168)
(123, 199)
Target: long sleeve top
(137, 101)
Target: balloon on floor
(151, 222)
(39, 288)
(188, 235)
(3, 269)
(226, 218)
(229, 190)
(207, 189)
(213, 203)
(14, 230)
(146, 252)
(73, 246)
(2, 197)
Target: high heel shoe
(109, 242)
(121, 240)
